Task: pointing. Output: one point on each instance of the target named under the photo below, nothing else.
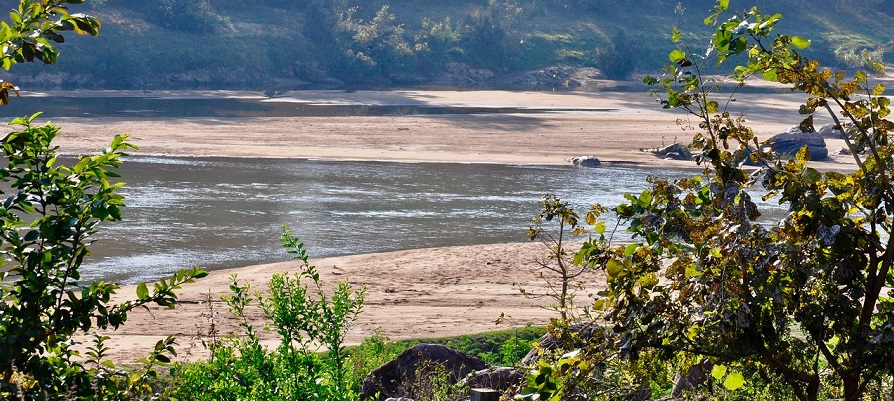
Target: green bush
(307, 320)
(48, 217)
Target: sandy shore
(416, 293)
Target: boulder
(674, 151)
(556, 77)
(585, 161)
(496, 378)
(462, 74)
(580, 333)
(398, 377)
(788, 143)
(828, 131)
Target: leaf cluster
(309, 320)
(48, 217)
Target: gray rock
(496, 378)
(585, 161)
(827, 131)
(581, 333)
(674, 151)
(398, 377)
(788, 143)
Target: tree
(47, 219)
(793, 301)
(33, 28)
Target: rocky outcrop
(500, 379)
(585, 161)
(581, 333)
(788, 143)
(556, 77)
(461, 74)
(398, 377)
(675, 151)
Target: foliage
(567, 271)
(307, 320)
(433, 382)
(262, 43)
(802, 301)
(33, 28)
(48, 219)
(191, 16)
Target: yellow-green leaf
(676, 36)
(142, 291)
(800, 42)
(718, 371)
(614, 268)
(878, 90)
(803, 155)
(734, 381)
(676, 56)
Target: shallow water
(228, 212)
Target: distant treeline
(284, 44)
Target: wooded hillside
(285, 44)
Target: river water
(228, 212)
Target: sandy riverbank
(416, 293)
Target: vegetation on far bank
(272, 45)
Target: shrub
(306, 319)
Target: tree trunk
(851, 383)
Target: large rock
(556, 77)
(585, 161)
(788, 143)
(496, 378)
(580, 335)
(462, 74)
(676, 151)
(398, 377)
(828, 131)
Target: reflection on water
(220, 212)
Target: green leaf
(722, 5)
(629, 250)
(676, 36)
(142, 291)
(676, 56)
(878, 90)
(614, 268)
(800, 42)
(718, 371)
(803, 155)
(734, 381)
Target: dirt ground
(423, 292)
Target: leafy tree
(47, 221)
(803, 301)
(197, 16)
